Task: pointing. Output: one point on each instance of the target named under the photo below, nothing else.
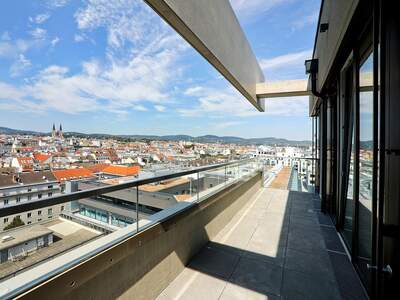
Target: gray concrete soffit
(283, 88)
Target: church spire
(53, 132)
(60, 133)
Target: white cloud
(125, 21)
(228, 102)
(305, 21)
(223, 125)
(19, 66)
(217, 102)
(139, 107)
(287, 66)
(38, 33)
(79, 38)
(114, 86)
(55, 41)
(160, 108)
(12, 49)
(56, 3)
(248, 9)
(287, 106)
(39, 19)
(6, 49)
(141, 63)
(285, 60)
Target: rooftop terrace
(277, 246)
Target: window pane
(366, 161)
(348, 216)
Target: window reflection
(366, 159)
(348, 216)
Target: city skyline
(176, 137)
(81, 63)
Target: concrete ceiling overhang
(213, 29)
(282, 88)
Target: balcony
(242, 229)
(277, 245)
(235, 240)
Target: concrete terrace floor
(279, 246)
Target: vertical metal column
(225, 176)
(312, 148)
(137, 209)
(198, 185)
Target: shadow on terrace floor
(278, 246)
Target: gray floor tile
(275, 250)
(297, 285)
(303, 220)
(332, 240)
(324, 219)
(265, 253)
(316, 264)
(258, 276)
(346, 277)
(236, 292)
(214, 262)
(193, 285)
(305, 242)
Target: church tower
(53, 132)
(60, 132)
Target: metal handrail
(58, 199)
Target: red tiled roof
(97, 167)
(25, 160)
(41, 157)
(69, 174)
(121, 170)
(26, 163)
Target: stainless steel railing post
(137, 209)
(225, 176)
(198, 186)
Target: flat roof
(163, 185)
(22, 234)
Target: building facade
(24, 187)
(355, 104)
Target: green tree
(16, 222)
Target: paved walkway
(277, 247)
(281, 180)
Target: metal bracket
(388, 269)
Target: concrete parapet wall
(143, 265)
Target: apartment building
(354, 78)
(26, 187)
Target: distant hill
(5, 130)
(200, 139)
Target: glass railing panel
(34, 236)
(83, 211)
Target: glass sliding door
(348, 155)
(366, 168)
(349, 195)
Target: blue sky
(101, 66)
